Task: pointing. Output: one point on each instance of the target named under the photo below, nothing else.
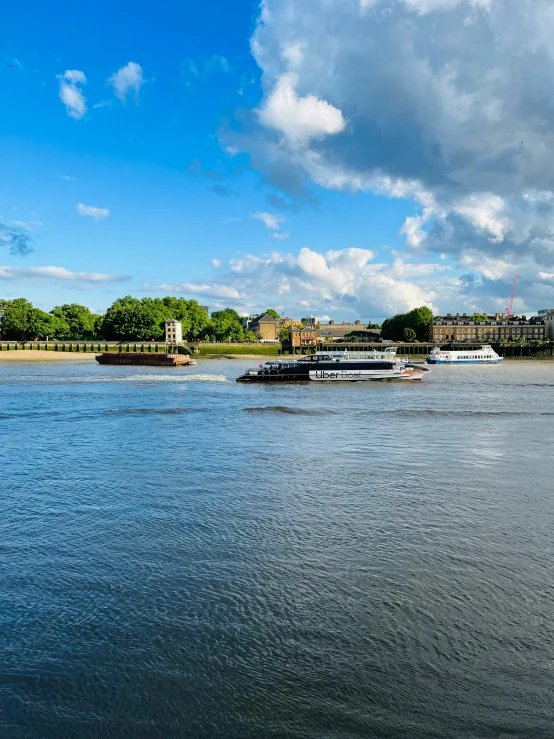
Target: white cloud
(190, 288)
(216, 263)
(485, 212)
(441, 102)
(402, 269)
(70, 94)
(67, 178)
(93, 212)
(280, 235)
(272, 221)
(127, 79)
(413, 228)
(27, 225)
(57, 273)
(300, 119)
(327, 283)
(292, 53)
(102, 104)
(490, 267)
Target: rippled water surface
(183, 556)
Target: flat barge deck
(144, 359)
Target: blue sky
(276, 155)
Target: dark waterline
(182, 556)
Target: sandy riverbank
(27, 355)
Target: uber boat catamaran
(324, 368)
(483, 355)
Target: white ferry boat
(323, 368)
(483, 355)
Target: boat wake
(285, 409)
(170, 378)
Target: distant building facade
(266, 327)
(337, 331)
(173, 332)
(301, 337)
(548, 317)
(496, 328)
(286, 322)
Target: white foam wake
(172, 378)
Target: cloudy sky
(350, 158)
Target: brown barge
(144, 358)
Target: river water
(182, 556)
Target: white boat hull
(464, 361)
(344, 375)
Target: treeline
(127, 319)
(412, 326)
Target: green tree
(81, 321)
(393, 328)
(177, 308)
(46, 326)
(226, 325)
(478, 317)
(250, 337)
(17, 318)
(23, 322)
(373, 325)
(273, 313)
(284, 334)
(98, 325)
(417, 319)
(199, 320)
(409, 334)
(131, 319)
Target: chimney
(331, 323)
(357, 323)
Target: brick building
(300, 337)
(496, 328)
(265, 327)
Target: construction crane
(511, 305)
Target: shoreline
(29, 355)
